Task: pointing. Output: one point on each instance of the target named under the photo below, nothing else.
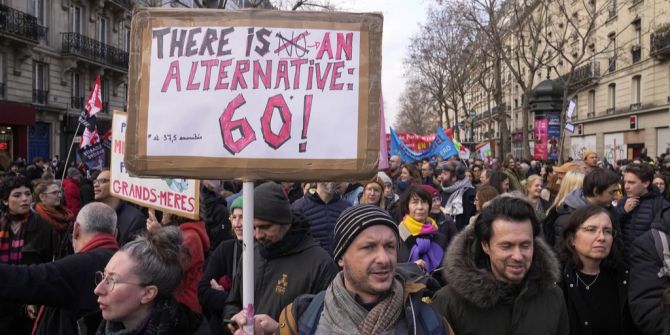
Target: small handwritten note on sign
(254, 94)
(176, 196)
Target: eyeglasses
(594, 231)
(54, 192)
(100, 181)
(109, 281)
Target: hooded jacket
(293, 266)
(646, 288)
(197, 243)
(474, 301)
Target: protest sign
(254, 94)
(177, 196)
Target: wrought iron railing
(19, 24)
(76, 44)
(660, 43)
(611, 62)
(635, 106)
(609, 111)
(77, 102)
(587, 71)
(40, 97)
(636, 55)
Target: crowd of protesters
(430, 247)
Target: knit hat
(433, 192)
(384, 177)
(588, 153)
(271, 204)
(73, 171)
(353, 221)
(237, 203)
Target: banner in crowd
(484, 151)
(540, 129)
(254, 94)
(440, 147)
(553, 135)
(413, 141)
(177, 196)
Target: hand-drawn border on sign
(363, 167)
(194, 216)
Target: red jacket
(197, 243)
(72, 197)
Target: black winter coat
(130, 223)
(222, 262)
(295, 265)
(65, 286)
(474, 301)
(578, 309)
(646, 288)
(321, 216)
(40, 246)
(638, 221)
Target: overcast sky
(401, 21)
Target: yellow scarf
(417, 228)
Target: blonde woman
(533, 194)
(572, 181)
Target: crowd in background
(598, 220)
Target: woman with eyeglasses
(594, 279)
(136, 290)
(24, 239)
(49, 206)
(217, 280)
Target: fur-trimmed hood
(479, 286)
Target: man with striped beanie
(367, 296)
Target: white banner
(177, 196)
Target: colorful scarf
(417, 228)
(11, 244)
(424, 248)
(58, 217)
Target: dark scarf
(296, 234)
(11, 244)
(167, 317)
(58, 217)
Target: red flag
(94, 102)
(89, 138)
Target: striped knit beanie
(356, 219)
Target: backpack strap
(663, 250)
(430, 321)
(309, 320)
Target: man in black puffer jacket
(638, 208)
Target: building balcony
(19, 25)
(77, 102)
(609, 111)
(611, 64)
(78, 45)
(660, 44)
(40, 97)
(584, 75)
(124, 4)
(635, 107)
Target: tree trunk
(501, 115)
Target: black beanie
(271, 204)
(354, 220)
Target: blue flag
(440, 147)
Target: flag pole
(68, 155)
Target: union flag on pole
(89, 138)
(94, 102)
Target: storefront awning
(15, 113)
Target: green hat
(237, 203)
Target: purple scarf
(427, 250)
